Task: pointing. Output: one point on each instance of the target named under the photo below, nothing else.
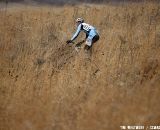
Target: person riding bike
(91, 33)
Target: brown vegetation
(46, 85)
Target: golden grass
(46, 85)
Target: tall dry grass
(45, 84)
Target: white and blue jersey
(88, 29)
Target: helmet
(79, 20)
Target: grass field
(46, 85)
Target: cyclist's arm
(77, 33)
(86, 36)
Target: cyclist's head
(79, 20)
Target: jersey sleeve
(77, 32)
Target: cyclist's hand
(69, 41)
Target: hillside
(47, 85)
